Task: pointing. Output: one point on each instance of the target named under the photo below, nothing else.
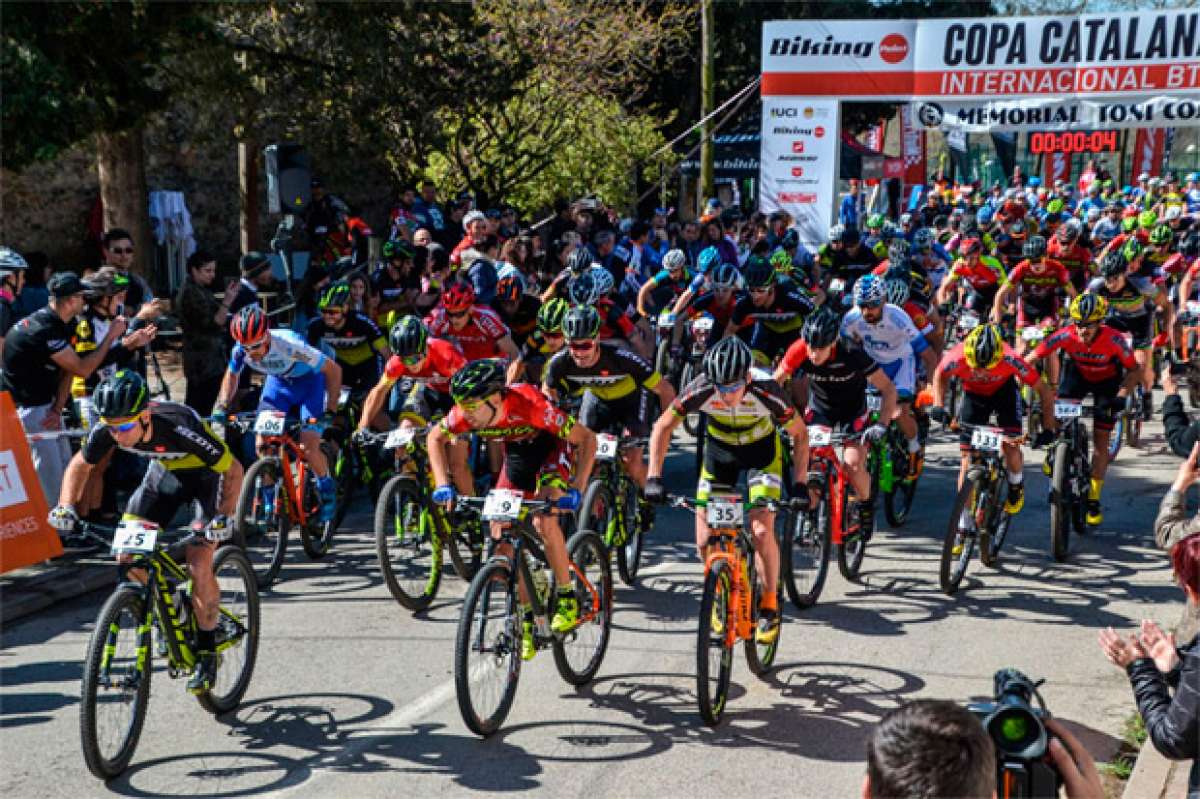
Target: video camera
(1020, 736)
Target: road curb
(19, 601)
(1151, 775)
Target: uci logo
(785, 112)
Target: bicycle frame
(732, 545)
(294, 470)
(826, 459)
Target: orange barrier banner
(25, 536)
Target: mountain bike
(701, 329)
(611, 507)
(729, 604)
(1128, 428)
(1033, 335)
(826, 525)
(1070, 477)
(120, 657)
(977, 515)
(487, 644)
(352, 463)
(888, 463)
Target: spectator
(36, 353)
(508, 228)
(851, 209)
(561, 223)
(1173, 525)
(606, 253)
(426, 210)
(475, 225)
(1017, 181)
(202, 320)
(713, 236)
(322, 216)
(256, 276)
(362, 297)
(1154, 665)
(482, 273)
(422, 237)
(117, 247)
(403, 219)
(12, 278)
(33, 295)
(316, 278)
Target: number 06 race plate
(269, 423)
(725, 512)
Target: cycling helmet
(821, 328)
(889, 231)
(674, 259)
(899, 270)
(510, 288)
(790, 240)
(1190, 246)
(582, 290)
(1055, 206)
(1160, 235)
(1129, 224)
(250, 326)
(707, 259)
(758, 273)
(906, 220)
(922, 239)
(728, 361)
(336, 296)
(581, 322)
(984, 217)
(1069, 231)
(1088, 307)
(1132, 250)
(898, 250)
(11, 261)
(983, 348)
(725, 276)
(579, 261)
(1017, 230)
(836, 232)
(869, 291)
(458, 296)
(781, 261)
(398, 248)
(1147, 219)
(897, 291)
(850, 236)
(970, 246)
(408, 337)
(1034, 247)
(104, 282)
(603, 279)
(1113, 264)
(550, 315)
(477, 380)
(875, 222)
(121, 395)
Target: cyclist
(178, 443)
(396, 281)
(718, 301)
(929, 256)
(595, 288)
(12, 279)
(578, 262)
(477, 331)
(764, 316)
(891, 338)
(613, 381)
(537, 462)
(989, 370)
(743, 408)
(846, 260)
(357, 343)
(898, 292)
(516, 308)
(543, 342)
(298, 378)
(673, 279)
(982, 275)
(1102, 364)
(839, 373)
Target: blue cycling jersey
(289, 357)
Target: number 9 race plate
(502, 505)
(725, 512)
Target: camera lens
(1014, 729)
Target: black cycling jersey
(7, 316)
(357, 348)
(844, 264)
(523, 321)
(840, 383)
(786, 312)
(179, 440)
(617, 373)
(90, 329)
(390, 289)
(29, 374)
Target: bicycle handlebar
(772, 505)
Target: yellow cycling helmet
(983, 348)
(1088, 308)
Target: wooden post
(248, 191)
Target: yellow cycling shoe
(767, 631)
(1016, 498)
(1095, 516)
(566, 615)
(528, 647)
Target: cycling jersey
(785, 313)
(524, 415)
(617, 373)
(839, 385)
(986, 381)
(848, 266)
(707, 303)
(179, 439)
(763, 406)
(357, 347)
(477, 338)
(1076, 258)
(1037, 293)
(614, 319)
(1129, 302)
(30, 373)
(390, 289)
(90, 330)
(985, 275)
(920, 287)
(893, 338)
(289, 357)
(535, 349)
(521, 322)
(442, 360)
(1101, 360)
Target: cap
(254, 263)
(65, 284)
(473, 216)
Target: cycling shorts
(360, 378)
(903, 373)
(1141, 328)
(839, 421)
(980, 300)
(1034, 312)
(162, 492)
(303, 394)
(1072, 385)
(768, 345)
(723, 463)
(419, 402)
(631, 413)
(977, 409)
(532, 465)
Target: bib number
(343, 396)
(400, 437)
(502, 505)
(1033, 334)
(874, 402)
(725, 512)
(1193, 308)
(666, 319)
(1068, 410)
(820, 436)
(968, 321)
(606, 447)
(270, 423)
(703, 324)
(134, 535)
(987, 439)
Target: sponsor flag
(25, 536)
(1148, 151)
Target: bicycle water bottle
(182, 598)
(886, 474)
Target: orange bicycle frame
(722, 546)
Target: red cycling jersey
(986, 273)
(477, 339)
(917, 314)
(1039, 286)
(1075, 258)
(986, 382)
(442, 360)
(1101, 360)
(614, 323)
(523, 415)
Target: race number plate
(400, 437)
(725, 512)
(819, 436)
(134, 535)
(1193, 307)
(1033, 334)
(704, 323)
(502, 505)
(666, 319)
(968, 321)
(987, 439)
(343, 396)
(874, 402)
(837, 285)
(270, 423)
(1068, 410)
(606, 447)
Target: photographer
(1181, 432)
(1173, 525)
(936, 748)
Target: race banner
(798, 165)
(1057, 166)
(1058, 114)
(1148, 151)
(912, 146)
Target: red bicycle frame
(839, 479)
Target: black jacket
(1182, 432)
(1173, 724)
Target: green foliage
(1133, 735)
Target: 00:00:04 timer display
(1081, 142)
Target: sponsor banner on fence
(25, 536)
(799, 163)
(1059, 114)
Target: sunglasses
(457, 314)
(760, 290)
(582, 345)
(1084, 326)
(732, 387)
(122, 251)
(412, 360)
(554, 334)
(120, 427)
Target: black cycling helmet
(821, 328)
(121, 395)
(850, 235)
(790, 240)
(398, 249)
(898, 249)
(728, 361)
(579, 261)
(409, 337)
(477, 380)
(1113, 264)
(900, 271)
(1034, 247)
(758, 273)
(581, 322)
(104, 282)
(724, 277)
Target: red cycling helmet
(970, 246)
(458, 296)
(250, 326)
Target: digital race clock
(1095, 141)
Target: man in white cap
(475, 225)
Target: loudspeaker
(289, 180)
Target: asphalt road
(353, 695)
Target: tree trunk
(248, 187)
(121, 163)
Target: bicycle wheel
(237, 631)
(1061, 502)
(261, 526)
(346, 474)
(990, 541)
(760, 657)
(805, 553)
(662, 357)
(579, 653)
(898, 502)
(463, 538)
(850, 552)
(691, 422)
(714, 643)
(116, 684)
(1133, 425)
(487, 649)
(960, 533)
(629, 554)
(409, 553)
(597, 513)
(317, 536)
